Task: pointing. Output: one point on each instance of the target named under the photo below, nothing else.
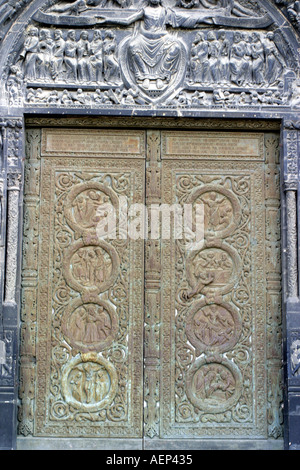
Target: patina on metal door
(149, 337)
(82, 340)
(220, 303)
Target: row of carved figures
(185, 98)
(244, 59)
(49, 55)
(224, 57)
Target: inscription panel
(221, 145)
(68, 142)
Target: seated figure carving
(155, 54)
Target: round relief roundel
(88, 205)
(91, 326)
(214, 268)
(222, 211)
(89, 384)
(214, 386)
(92, 267)
(215, 327)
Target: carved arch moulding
(197, 59)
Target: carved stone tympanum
(171, 54)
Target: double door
(151, 286)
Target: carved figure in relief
(71, 56)
(213, 57)
(46, 45)
(294, 13)
(83, 58)
(80, 6)
(155, 54)
(239, 65)
(91, 266)
(87, 206)
(218, 211)
(223, 97)
(211, 267)
(15, 85)
(214, 382)
(58, 53)
(111, 65)
(199, 59)
(236, 58)
(89, 383)
(30, 53)
(213, 325)
(97, 56)
(224, 57)
(274, 60)
(257, 52)
(89, 324)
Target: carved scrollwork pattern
(87, 310)
(222, 291)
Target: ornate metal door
(82, 300)
(149, 337)
(221, 346)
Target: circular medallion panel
(89, 204)
(213, 328)
(93, 267)
(89, 384)
(222, 211)
(214, 386)
(90, 326)
(214, 268)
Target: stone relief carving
(92, 310)
(7, 366)
(295, 357)
(226, 12)
(291, 9)
(8, 11)
(14, 186)
(151, 56)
